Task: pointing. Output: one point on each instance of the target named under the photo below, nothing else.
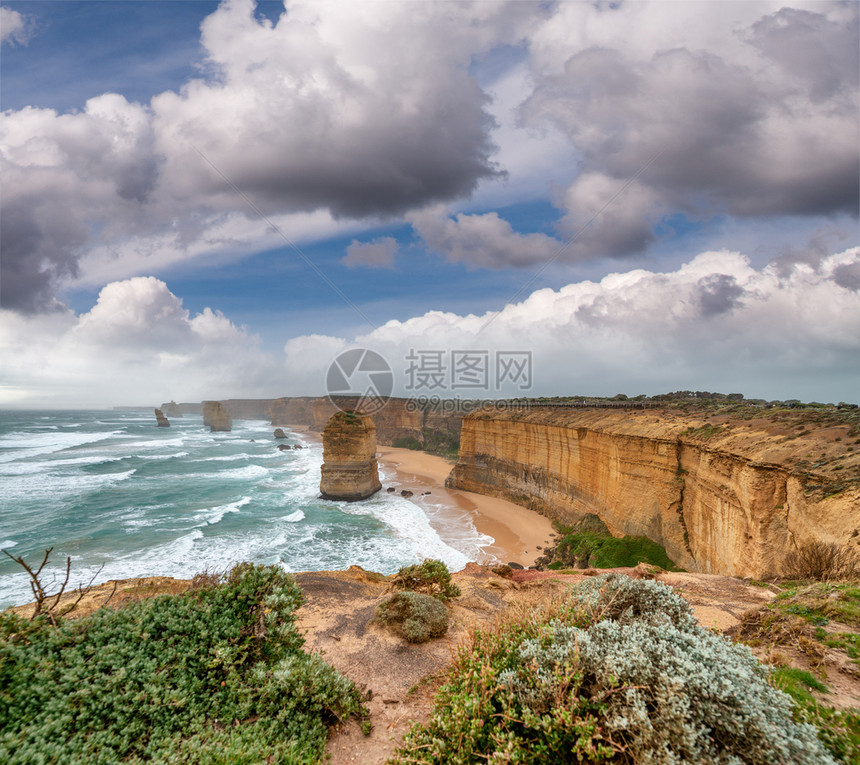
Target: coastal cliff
(349, 470)
(722, 495)
(399, 423)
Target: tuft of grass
(797, 683)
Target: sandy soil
(519, 533)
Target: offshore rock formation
(434, 429)
(279, 433)
(161, 420)
(216, 416)
(725, 497)
(349, 469)
(172, 409)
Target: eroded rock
(349, 471)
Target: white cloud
(376, 254)
(137, 345)
(716, 323)
(481, 240)
(369, 111)
(788, 330)
(13, 27)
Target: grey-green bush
(622, 674)
(414, 616)
(673, 695)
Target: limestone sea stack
(162, 421)
(349, 470)
(172, 409)
(216, 416)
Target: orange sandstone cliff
(722, 495)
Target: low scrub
(618, 672)
(430, 577)
(822, 562)
(414, 616)
(214, 675)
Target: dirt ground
(399, 679)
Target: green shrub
(430, 576)
(622, 674)
(414, 616)
(407, 442)
(588, 544)
(214, 675)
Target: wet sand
(517, 531)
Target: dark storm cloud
(848, 275)
(718, 293)
(767, 126)
(820, 52)
(355, 110)
(37, 245)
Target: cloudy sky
(206, 200)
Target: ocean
(123, 498)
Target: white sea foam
(154, 457)
(212, 515)
(26, 445)
(294, 517)
(244, 473)
(6, 543)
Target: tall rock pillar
(349, 470)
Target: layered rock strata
(349, 471)
(216, 416)
(161, 420)
(721, 497)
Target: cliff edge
(722, 494)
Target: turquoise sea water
(110, 489)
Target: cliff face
(399, 419)
(349, 469)
(720, 497)
(216, 416)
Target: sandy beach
(517, 531)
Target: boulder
(283, 447)
(161, 420)
(405, 493)
(279, 433)
(349, 470)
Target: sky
(214, 200)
